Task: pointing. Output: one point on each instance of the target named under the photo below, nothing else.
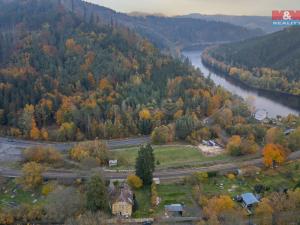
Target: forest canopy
(65, 78)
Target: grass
(169, 194)
(166, 156)
(12, 194)
(286, 176)
(143, 202)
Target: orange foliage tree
(34, 132)
(273, 154)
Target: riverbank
(275, 104)
(283, 97)
(238, 74)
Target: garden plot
(211, 150)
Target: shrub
(32, 175)
(231, 176)
(212, 174)
(47, 189)
(41, 154)
(28, 213)
(6, 218)
(90, 149)
(162, 135)
(64, 203)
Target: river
(272, 103)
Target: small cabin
(249, 200)
(112, 163)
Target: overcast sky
(179, 7)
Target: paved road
(162, 174)
(11, 149)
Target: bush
(64, 203)
(32, 175)
(134, 181)
(231, 176)
(6, 218)
(29, 213)
(162, 135)
(41, 154)
(212, 174)
(90, 149)
(47, 189)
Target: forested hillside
(251, 22)
(62, 78)
(166, 32)
(269, 62)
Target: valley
(115, 118)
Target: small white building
(156, 180)
(112, 163)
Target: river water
(274, 104)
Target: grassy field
(12, 195)
(166, 156)
(169, 194)
(286, 176)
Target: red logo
(286, 15)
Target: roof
(249, 198)
(123, 194)
(174, 208)
(288, 131)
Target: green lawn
(169, 194)
(12, 194)
(166, 156)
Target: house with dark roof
(122, 201)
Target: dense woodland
(167, 32)
(268, 62)
(62, 78)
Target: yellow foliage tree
(134, 181)
(145, 114)
(217, 205)
(263, 212)
(234, 145)
(32, 175)
(273, 154)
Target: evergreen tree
(145, 164)
(184, 126)
(96, 196)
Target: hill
(65, 78)
(166, 32)
(263, 23)
(270, 62)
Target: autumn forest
(65, 78)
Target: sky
(181, 7)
